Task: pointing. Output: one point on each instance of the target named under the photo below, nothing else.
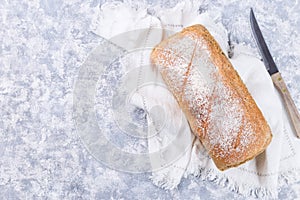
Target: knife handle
(290, 105)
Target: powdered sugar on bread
(219, 108)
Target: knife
(275, 74)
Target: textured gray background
(43, 45)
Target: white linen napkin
(167, 126)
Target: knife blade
(263, 48)
(274, 73)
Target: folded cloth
(168, 130)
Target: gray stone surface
(43, 45)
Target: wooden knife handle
(290, 105)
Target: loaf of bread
(218, 106)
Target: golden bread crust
(219, 108)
